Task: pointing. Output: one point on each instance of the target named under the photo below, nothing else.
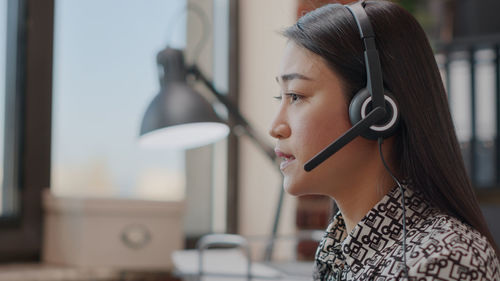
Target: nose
(280, 128)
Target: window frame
(30, 86)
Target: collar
(345, 254)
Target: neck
(365, 192)
(356, 205)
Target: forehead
(297, 59)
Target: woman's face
(313, 112)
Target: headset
(373, 111)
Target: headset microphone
(374, 116)
(372, 111)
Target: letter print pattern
(439, 247)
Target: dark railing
(470, 69)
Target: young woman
(406, 205)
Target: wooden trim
(37, 133)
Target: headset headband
(374, 81)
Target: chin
(295, 188)
(292, 191)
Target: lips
(287, 159)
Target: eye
(293, 97)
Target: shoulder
(444, 247)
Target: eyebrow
(291, 76)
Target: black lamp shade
(179, 117)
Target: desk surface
(232, 265)
(50, 272)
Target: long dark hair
(425, 146)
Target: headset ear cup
(385, 128)
(355, 105)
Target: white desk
(231, 265)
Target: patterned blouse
(439, 247)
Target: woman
(437, 232)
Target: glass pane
(105, 75)
(3, 53)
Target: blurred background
(76, 78)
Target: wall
(261, 47)
(206, 167)
(198, 220)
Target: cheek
(321, 131)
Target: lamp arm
(233, 110)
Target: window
(11, 36)
(105, 75)
(101, 73)
(3, 51)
